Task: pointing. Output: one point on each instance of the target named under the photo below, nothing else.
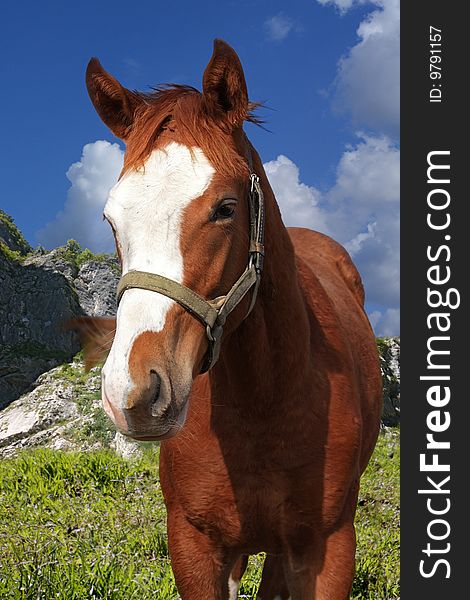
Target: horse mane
(181, 109)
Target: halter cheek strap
(212, 313)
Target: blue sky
(328, 69)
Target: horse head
(179, 211)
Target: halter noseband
(213, 313)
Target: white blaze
(146, 208)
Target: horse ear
(96, 336)
(115, 104)
(224, 85)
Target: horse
(241, 345)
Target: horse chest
(251, 506)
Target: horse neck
(256, 358)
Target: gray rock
(55, 261)
(96, 284)
(62, 412)
(38, 295)
(17, 373)
(389, 350)
(34, 305)
(37, 418)
(125, 447)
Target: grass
(76, 526)
(12, 255)
(378, 523)
(96, 426)
(15, 235)
(74, 255)
(71, 252)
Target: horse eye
(224, 211)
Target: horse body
(279, 432)
(273, 439)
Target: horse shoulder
(334, 295)
(327, 259)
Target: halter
(213, 313)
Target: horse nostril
(156, 384)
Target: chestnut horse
(274, 435)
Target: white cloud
(355, 245)
(364, 214)
(341, 5)
(367, 181)
(363, 206)
(367, 85)
(387, 323)
(278, 27)
(298, 202)
(361, 211)
(81, 219)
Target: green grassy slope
(92, 526)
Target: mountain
(39, 292)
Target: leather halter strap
(213, 313)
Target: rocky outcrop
(34, 304)
(63, 411)
(96, 284)
(39, 292)
(389, 351)
(93, 277)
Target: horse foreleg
(335, 578)
(202, 570)
(323, 569)
(326, 571)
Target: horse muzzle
(154, 411)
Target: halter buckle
(214, 333)
(254, 179)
